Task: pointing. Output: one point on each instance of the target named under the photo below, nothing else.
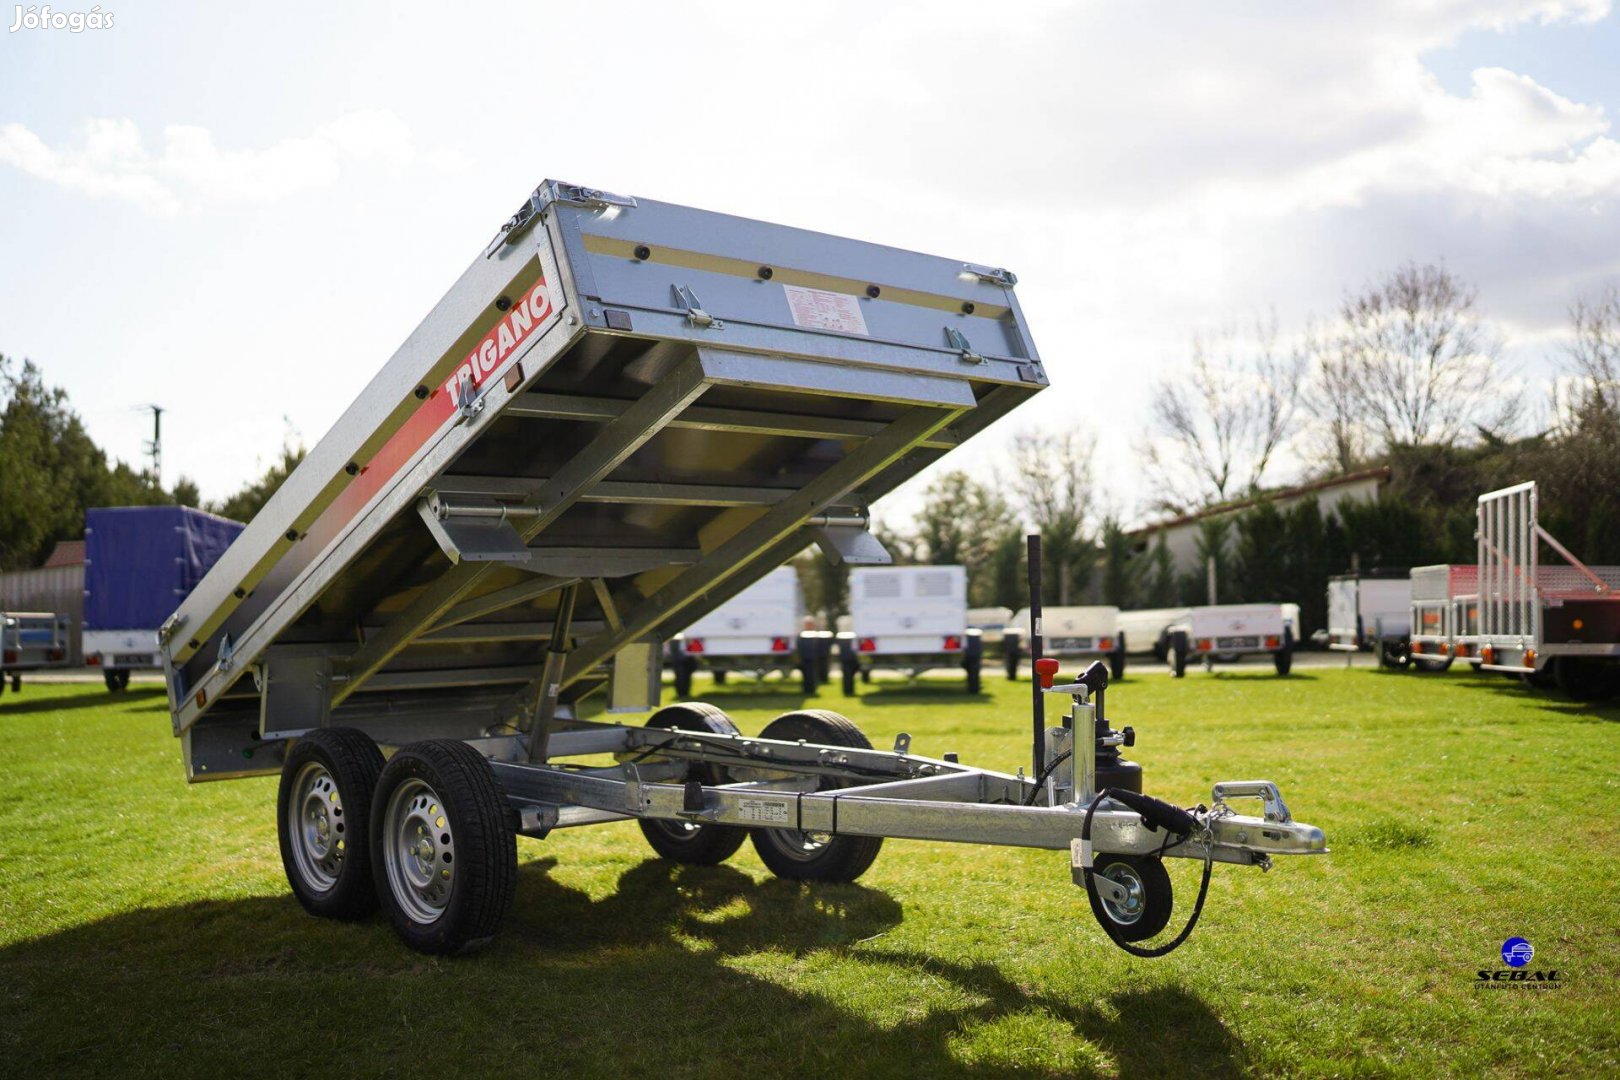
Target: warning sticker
(760, 810)
(816, 309)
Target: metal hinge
(995, 275)
(170, 627)
(687, 299)
(469, 403)
(960, 343)
(227, 653)
(552, 191)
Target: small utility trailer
(621, 415)
(1371, 612)
(760, 630)
(1070, 633)
(1553, 624)
(1232, 631)
(909, 619)
(1444, 616)
(31, 641)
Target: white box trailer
(1226, 631)
(1444, 616)
(1147, 630)
(31, 641)
(760, 630)
(1553, 624)
(1070, 633)
(1371, 613)
(623, 414)
(910, 619)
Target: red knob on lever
(1047, 668)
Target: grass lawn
(146, 927)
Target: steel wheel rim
(1136, 900)
(318, 844)
(419, 851)
(803, 846)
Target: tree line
(52, 471)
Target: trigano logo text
(522, 319)
(1516, 955)
(35, 17)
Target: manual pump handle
(1036, 689)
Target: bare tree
(1219, 423)
(1594, 354)
(1331, 396)
(1054, 486)
(1410, 364)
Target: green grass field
(146, 928)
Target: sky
(240, 211)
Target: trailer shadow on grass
(14, 704)
(1552, 700)
(680, 972)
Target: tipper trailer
(623, 414)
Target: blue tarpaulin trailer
(140, 562)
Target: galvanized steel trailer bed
(622, 414)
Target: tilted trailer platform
(621, 415)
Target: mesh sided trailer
(622, 414)
(1548, 622)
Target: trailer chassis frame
(887, 793)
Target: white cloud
(111, 161)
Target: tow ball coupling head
(1273, 809)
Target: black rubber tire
(973, 663)
(486, 845)
(16, 684)
(1425, 666)
(866, 675)
(849, 683)
(1283, 658)
(1393, 656)
(110, 680)
(354, 763)
(1013, 655)
(824, 651)
(719, 679)
(841, 858)
(1116, 661)
(694, 845)
(1158, 895)
(683, 667)
(1161, 648)
(1178, 655)
(1586, 680)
